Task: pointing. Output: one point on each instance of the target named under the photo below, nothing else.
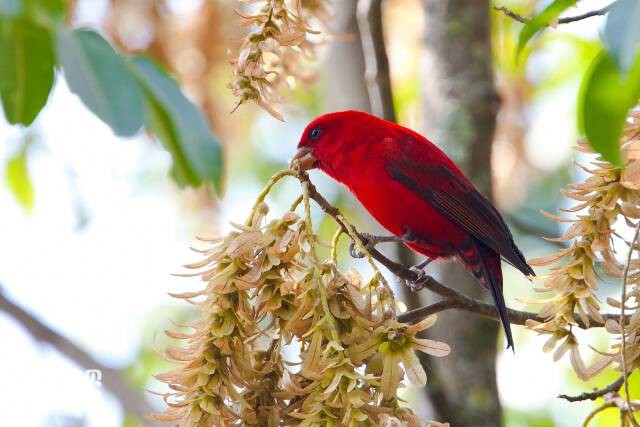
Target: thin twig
(590, 14)
(611, 388)
(623, 323)
(511, 14)
(131, 400)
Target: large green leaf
(541, 21)
(180, 126)
(26, 69)
(622, 32)
(17, 176)
(102, 79)
(605, 98)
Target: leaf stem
(267, 188)
(363, 248)
(295, 203)
(334, 245)
(324, 299)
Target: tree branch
(377, 75)
(611, 388)
(470, 305)
(567, 20)
(452, 299)
(130, 399)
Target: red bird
(413, 189)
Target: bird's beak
(304, 158)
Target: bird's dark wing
(456, 198)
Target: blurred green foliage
(17, 176)
(34, 40)
(605, 99)
(611, 84)
(529, 419)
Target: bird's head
(328, 138)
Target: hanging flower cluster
(285, 338)
(608, 207)
(272, 52)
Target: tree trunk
(345, 63)
(460, 111)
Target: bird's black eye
(315, 133)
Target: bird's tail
(484, 264)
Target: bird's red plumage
(409, 184)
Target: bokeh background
(92, 227)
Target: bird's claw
(418, 283)
(354, 251)
(367, 240)
(421, 277)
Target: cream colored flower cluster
(608, 202)
(272, 52)
(287, 339)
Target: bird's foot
(370, 241)
(421, 276)
(409, 236)
(418, 283)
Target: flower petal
(413, 368)
(434, 348)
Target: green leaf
(48, 13)
(180, 126)
(102, 79)
(17, 176)
(541, 21)
(605, 98)
(622, 32)
(26, 69)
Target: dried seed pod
(271, 54)
(267, 293)
(608, 195)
